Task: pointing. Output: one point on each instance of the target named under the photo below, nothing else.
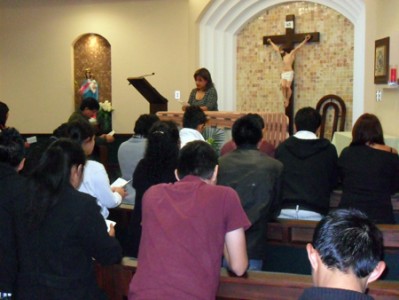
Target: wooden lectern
(156, 100)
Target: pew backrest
(275, 130)
(299, 232)
(115, 279)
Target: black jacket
(310, 173)
(317, 293)
(369, 178)
(10, 188)
(256, 178)
(56, 259)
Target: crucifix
(287, 51)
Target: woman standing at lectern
(204, 95)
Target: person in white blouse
(194, 120)
(95, 178)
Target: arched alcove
(224, 19)
(92, 51)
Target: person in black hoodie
(310, 169)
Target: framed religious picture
(381, 61)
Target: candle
(393, 75)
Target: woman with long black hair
(157, 166)
(60, 230)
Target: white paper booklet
(120, 182)
(109, 222)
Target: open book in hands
(120, 182)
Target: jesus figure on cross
(287, 71)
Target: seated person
(345, 256)
(369, 171)
(12, 153)
(256, 178)
(86, 113)
(95, 178)
(60, 231)
(194, 120)
(310, 169)
(3, 115)
(157, 166)
(186, 226)
(263, 145)
(131, 151)
(36, 150)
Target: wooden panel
(391, 236)
(301, 234)
(254, 286)
(275, 123)
(292, 232)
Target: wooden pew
(299, 232)
(114, 280)
(122, 213)
(285, 232)
(287, 239)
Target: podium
(156, 100)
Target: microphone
(146, 75)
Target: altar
(275, 130)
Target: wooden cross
(288, 42)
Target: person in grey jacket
(132, 151)
(256, 177)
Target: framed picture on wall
(381, 61)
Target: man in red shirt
(185, 228)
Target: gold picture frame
(381, 61)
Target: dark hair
(89, 103)
(162, 149)
(144, 123)
(348, 241)
(3, 114)
(61, 131)
(367, 129)
(307, 118)
(206, 75)
(247, 130)
(197, 158)
(257, 118)
(12, 147)
(193, 116)
(79, 131)
(52, 175)
(36, 150)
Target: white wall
(146, 36)
(36, 78)
(387, 24)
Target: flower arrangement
(104, 116)
(106, 106)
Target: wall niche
(92, 52)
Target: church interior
(46, 46)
